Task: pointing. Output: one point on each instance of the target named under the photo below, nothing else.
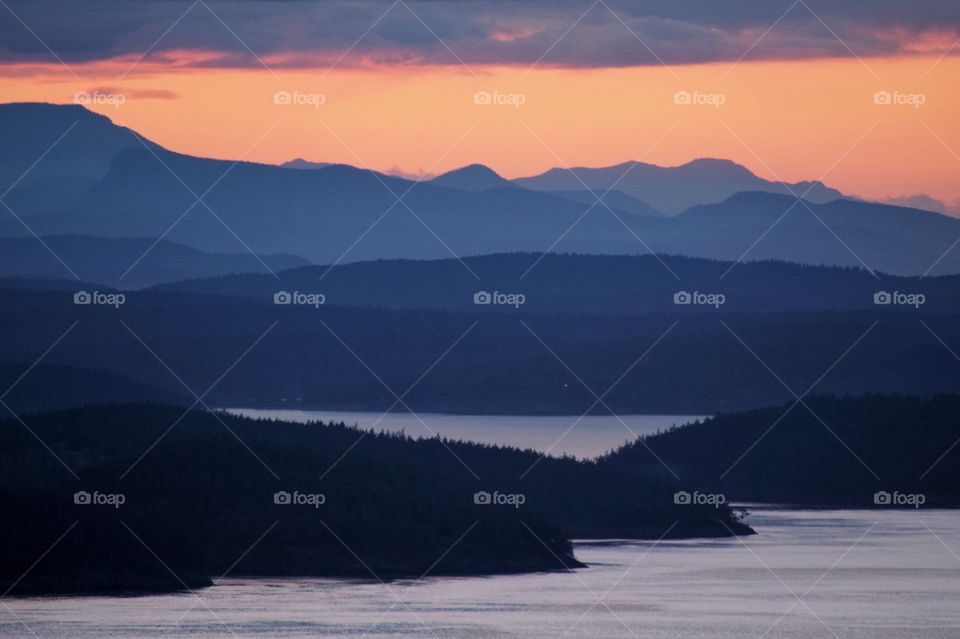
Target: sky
(861, 94)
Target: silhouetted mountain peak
(716, 168)
(473, 177)
(300, 163)
(76, 146)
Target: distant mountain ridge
(318, 214)
(477, 177)
(340, 213)
(672, 190)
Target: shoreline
(354, 579)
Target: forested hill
(132, 487)
(828, 451)
(592, 284)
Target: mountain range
(92, 178)
(672, 190)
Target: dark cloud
(298, 33)
(136, 94)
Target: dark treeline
(200, 500)
(862, 446)
(498, 367)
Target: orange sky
(788, 120)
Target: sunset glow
(424, 119)
(495, 319)
(789, 91)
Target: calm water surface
(831, 573)
(556, 435)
